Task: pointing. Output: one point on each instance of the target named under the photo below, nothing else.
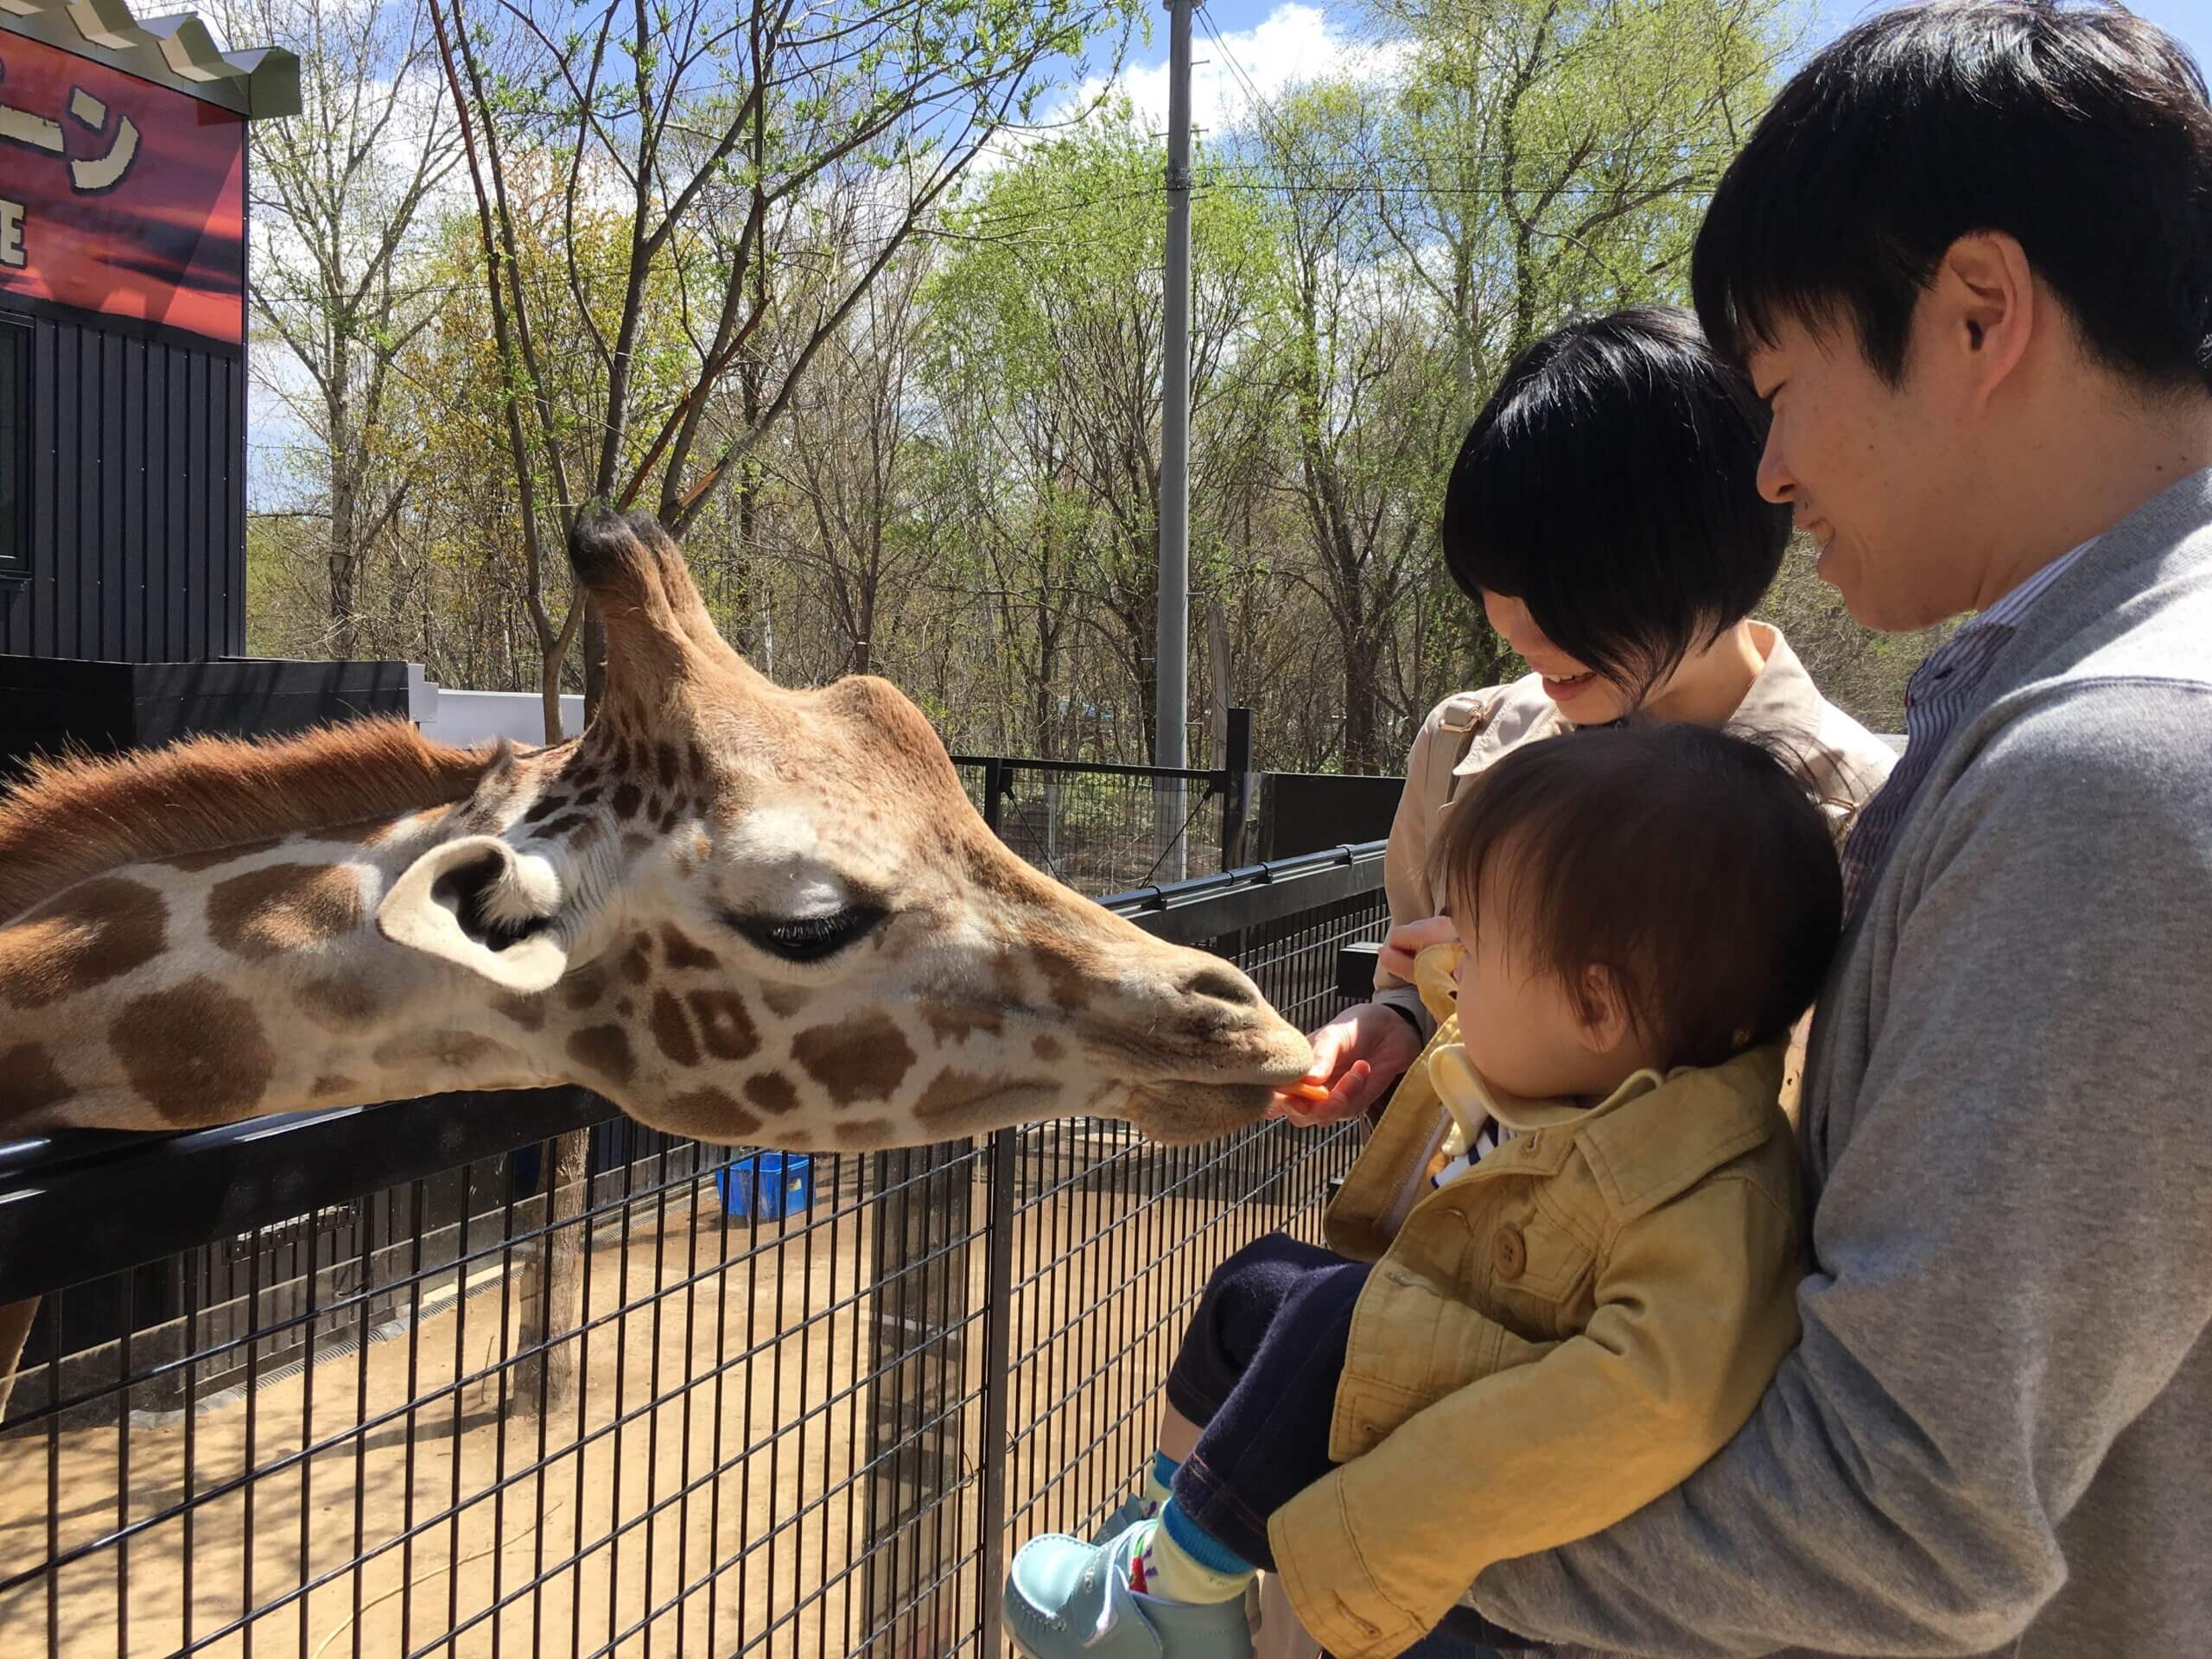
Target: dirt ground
(705, 1493)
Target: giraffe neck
(209, 987)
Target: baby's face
(1521, 1030)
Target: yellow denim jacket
(1547, 1342)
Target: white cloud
(1293, 44)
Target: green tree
(1046, 334)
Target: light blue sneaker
(1067, 1600)
(1131, 1509)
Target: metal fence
(298, 1387)
(1107, 828)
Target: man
(1967, 259)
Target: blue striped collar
(2007, 612)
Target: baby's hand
(1410, 939)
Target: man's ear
(1982, 305)
(479, 903)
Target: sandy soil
(705, 1492)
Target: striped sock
(1176, 1560)
(1159, 1483)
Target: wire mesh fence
(613, 1392)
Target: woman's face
(1586, 697)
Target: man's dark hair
(2083, 132)
(1611, 485)
(1690, 864)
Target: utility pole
(1172, 655)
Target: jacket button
(1512, 1252)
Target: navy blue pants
(1257, 1372)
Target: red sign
(119, 196)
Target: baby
(1560, 1333)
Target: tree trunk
(552, 1279)
(1360, 700)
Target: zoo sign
(118, 196)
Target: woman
(1603, 510)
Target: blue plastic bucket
(769, 1184)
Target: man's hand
(1356, 1056)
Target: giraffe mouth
(1186, 1113)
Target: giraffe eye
(809, 938)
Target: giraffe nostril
(1223, 987)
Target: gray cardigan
(1996, 1434)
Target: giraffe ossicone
(741, 913)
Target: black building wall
(136, 502)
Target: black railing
(1106, 828)
(312, 1386)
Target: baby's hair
(1688, 864)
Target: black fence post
(1236, 792)
(998, 1382)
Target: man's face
(1874, 472)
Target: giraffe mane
(78, 816)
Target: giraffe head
(814, 934)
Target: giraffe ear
(480, 904)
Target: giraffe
(739, 913)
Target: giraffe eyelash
(810, 938)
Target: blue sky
(1279, 40)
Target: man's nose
(1776, 482)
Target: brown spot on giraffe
(633, 844)
(195, 1053)
(672, 1031)
(772, 1091)
(726, 1116)
(785, 1001)
(339, 1001)
(864, 1057)
(606, 1050)
(30, 1082)
(1048, 1048)
(282, 907)
(683, 956)
(626, 798)
(950, 1092)
(97, 931)
(1069, 981)
(528, 1012)
(665, 764)
(725, 1029)
(545, 809)
(586, 987)
(862, 1134)
(955, 1022)
(193, 863)
(325, 1088)
(637, 964)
